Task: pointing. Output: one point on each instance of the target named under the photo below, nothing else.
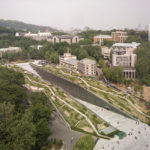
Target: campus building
(70, 39)
(106, 52)
(87, 67)
(123, 55)
(35, 36)
(100, 38)
(9, 50)
(68, 60)
(118, 36)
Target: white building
(87, 67)
(106, 52)
(123, 55)
(100, 38)
(9, 50)
(48, 36)
(37, 36)
(70, 39)
(149, 33)
(38, 47)
(68, 60)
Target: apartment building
(87, 67)
(123, 55)
(9, 50)
(68, 60)
(118, 36)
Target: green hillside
(18, 25)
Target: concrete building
(38, 36)
(100, 38)
(149, 33)
(48, 36)
(87, 67)
(123, 55)
(118, 36)
(68, 60)
(70, 39)
(106, 52)
(38, 47)
(9, 50)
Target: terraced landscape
(80, 115)
(77, 116)
(126, 103)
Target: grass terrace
(127, 103)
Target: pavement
(138, 133)
(60, 131)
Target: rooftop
(72, 61)
(103, 36)
(9, 49)
(132, 45)
(87, 61)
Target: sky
(69, 14)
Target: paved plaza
(138, 133)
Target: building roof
(132, 45)
(87, 61)
(109, 130)
(103, 36)
(65, 36)
(9, 49)
(71, 61)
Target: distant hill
(18, 25)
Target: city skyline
(69, 14)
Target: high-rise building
(149, 33)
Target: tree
(114, 74)
(142, 63)
(13, 94)
(11, 77)
(82, 54)
(23, 133)
(84, 143)
(16, 133)
(54, 58)
(101, 63)
(42, 133)
(108, 43)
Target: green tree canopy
(84, 143)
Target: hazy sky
(66, 14)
